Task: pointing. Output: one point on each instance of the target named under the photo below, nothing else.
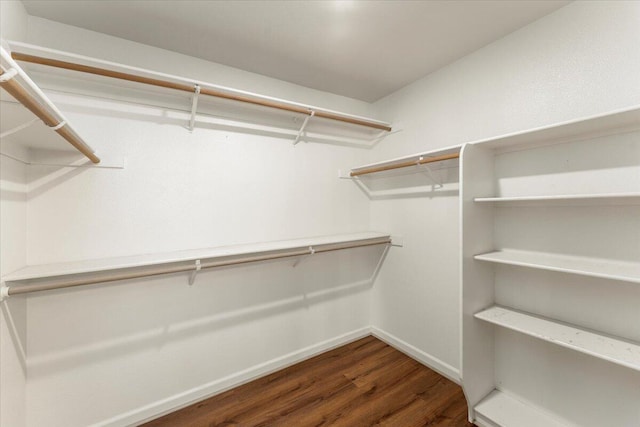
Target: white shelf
(211, 110)
(33, 272)
(622, 121)
(593, 267)
(415, 158)
(567, 199)
(614, 350)
(501, 409)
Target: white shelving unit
(540, 209)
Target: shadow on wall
(103, 322)
(233, 117)
(45, 178)
(14, 316)
(433, 180)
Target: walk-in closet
(320, 213)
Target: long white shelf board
(501, 409)
(594, 267)
(568, 199)
(615, 350)
(106, 264)
(620, 121)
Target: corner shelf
(611, 349)
(566, 199)
(501, 409)
(593, 267)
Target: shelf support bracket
(194, 273)
(194, 107)
(300, 259)
(4, 291)
(8, 75)
(58, 126)
(426, 170)
(304, 125)
(382, 136)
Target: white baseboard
(426, 359)
(178, 401)
(181, 400)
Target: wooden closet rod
(191, 88)
(407, 164)
(16, 290)
(25, 98)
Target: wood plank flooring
(364, 383)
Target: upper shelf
(56, 68)
(20, 130)
(622, 121)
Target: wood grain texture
(421, 161)
(28, 101)
(364, 383)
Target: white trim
(186, 398)
(415, 353)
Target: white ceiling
(360, 49)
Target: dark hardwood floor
(364, 383)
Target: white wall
(149, 341)
(579, 61)
(145, 346)
(13, 20)
(13, 254)
(43, 32)
(13, 215)
(141, 347)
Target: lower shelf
(38, 278)
(614, 350)
(109, 264)
(500, 409)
